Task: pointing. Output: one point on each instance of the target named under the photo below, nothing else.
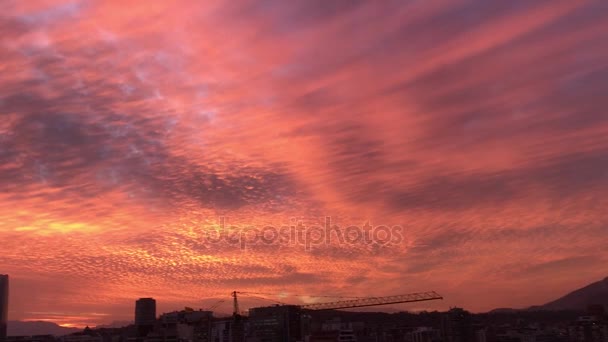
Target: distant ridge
(578, 300)
(504, 310)
(29, 328)
(115, 324)
(596, 293)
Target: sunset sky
(129, 128)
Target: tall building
(228, 329)
(424, 334)
(588, 329)
(280, 323)
(145, 315)
(457, 326)
(3, 304)
(187, 325)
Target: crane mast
(235, 308)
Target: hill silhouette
(577, 300)
(29, 328)
(595, 293)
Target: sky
(131, 131)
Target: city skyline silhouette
(455, 146)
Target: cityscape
(323, 322)
(303, 170)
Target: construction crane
(374, 301)
(353, 303)
(237, 327)
(235, 304)
(215, 305)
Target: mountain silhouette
(596, 293)
(29, 328)
(578, 300)
(114, 324)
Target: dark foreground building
(145, 315)
(276, 324)
(3, 304)
(457, 326)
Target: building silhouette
(187, 325)
(590, 328)
(3, 304)
(276, 324)
(145, 315)
(457, 326)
